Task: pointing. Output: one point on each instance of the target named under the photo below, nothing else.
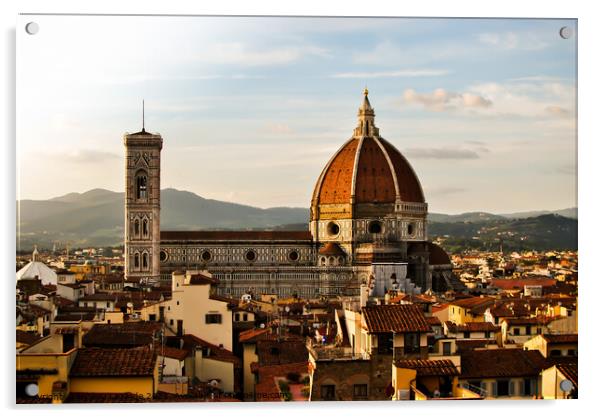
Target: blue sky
(251, 109)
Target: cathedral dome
(37, 270)
(367, 169)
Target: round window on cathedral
(293, 255)
(375, 227)
(250, 255)
(410, 229)
(163, 255)
(333, 228)
(206, 256)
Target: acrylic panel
(276, 209)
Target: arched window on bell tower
(141, 185)
(136, 261)
(145, 228)
(136, 228)
(144, 261)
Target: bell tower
(142, 206)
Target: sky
(252, 109)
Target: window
(213, 318)
(411, 342)
(555, 353)
(375, 227)
(327, 392)
(526, 387)
(141, 191)
(206, 256)
(171, 322)
(487, 334)
(136, 227)
(145, 261)
(466, 334)
(251, 255)
(528, 330)
(410, 229)
(333, 229)
(503, 388)
(385, 343)
(237, 317)
(136, 260)
(245, 317)
(447, 348)
(360, 391)
(293, 255)
(163, 255)
(516, 331)
(571, 352)
(145, 228)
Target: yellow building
(428, 379)
(554, 346)
(560, 381)
(468, 310)
(195, 309)
(115, 370)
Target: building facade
(367, 229)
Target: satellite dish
(262, 326)
(214, 383)
(566, 385)
(130, 305)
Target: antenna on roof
(143, 116)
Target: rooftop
(395, 318)
(114, 362)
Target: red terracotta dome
(368, 168)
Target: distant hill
(484, 216)
(95, 218)
(540, 233)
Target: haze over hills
(95, 217)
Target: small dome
(37, 269)
(368, 169)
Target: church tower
(142, 206)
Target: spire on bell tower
(365, 116)
(143, 116)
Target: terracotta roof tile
(570, 371)
(114, 362)
(472, 327)
(396, 318)
(429, 367)
(331, 248)
(501, 363)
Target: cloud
(442, 100)
(388, 74)
(529, 99)
(441, 154)
(557, 111)
(512, 40)
(241, 54)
